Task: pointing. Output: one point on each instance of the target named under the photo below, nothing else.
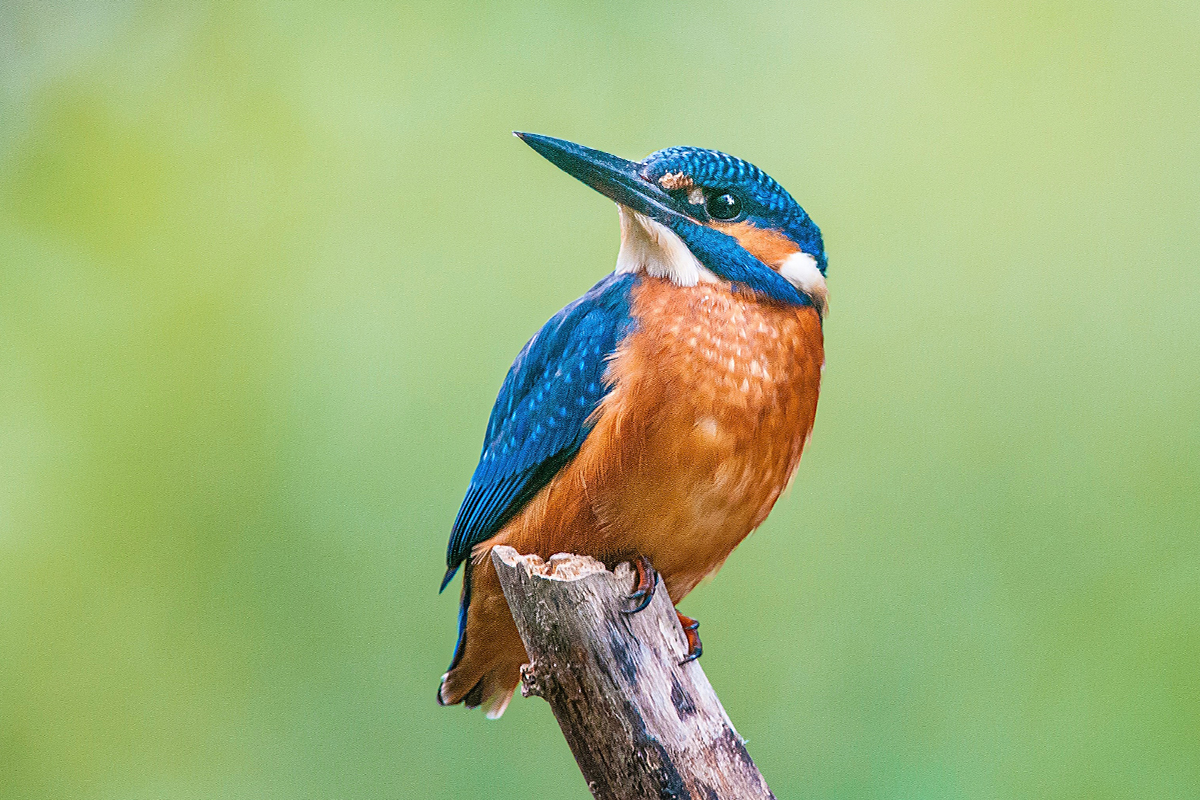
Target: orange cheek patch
(769, 247)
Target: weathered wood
(640, 723)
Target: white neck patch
(650, 247)
(800, 270)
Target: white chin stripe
(647, 246)
(800, 270)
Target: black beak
(613, 177)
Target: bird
(656, 419)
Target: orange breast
(713, 400)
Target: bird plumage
(659, 415)
(541, 415)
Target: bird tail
(486, 666)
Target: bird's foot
(693, 637)
(643, 590)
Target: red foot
(693, 637)
(643, 590)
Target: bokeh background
(264, 265)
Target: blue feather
(723, 255)
(766, 204)
(542, 414)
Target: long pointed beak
(613, 177)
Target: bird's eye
(723, 206)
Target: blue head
(693, 214)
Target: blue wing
(541, 416)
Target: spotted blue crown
(766, 203)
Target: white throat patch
(800, 270)
(651, 247)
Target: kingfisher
(656, 419)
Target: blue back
(542, 414)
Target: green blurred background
(264, 265)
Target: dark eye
(723, 206)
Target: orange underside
(713, 399)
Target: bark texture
(641, 725)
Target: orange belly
(713, 398)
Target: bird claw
(643, 590)
(695, 648)
(643, 593)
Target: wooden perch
(640, 724)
